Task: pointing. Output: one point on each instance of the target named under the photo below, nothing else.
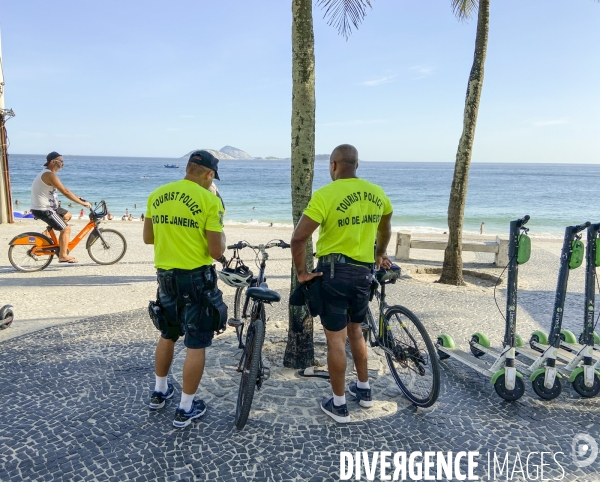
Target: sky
(151, 78)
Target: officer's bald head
(345, 154)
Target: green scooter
(545, 371)
(505, 378)
(584, 378)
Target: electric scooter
(567, 338)
(585, 379)
(505, 378)
(6, 316)
(544, 350)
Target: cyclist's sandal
(313, 372)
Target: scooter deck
(576, 347)
(561, 354)
(468, 359)
(521, 366)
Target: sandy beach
(63, 293)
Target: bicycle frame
(257, 305)
(77, 239)
(44, 249)
(377, 339)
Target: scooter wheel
(532, 340)
(586, 392)
(476, 353)
(441, 354)
(542, 391)
(509, 395)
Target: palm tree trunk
(299, 352)
(452, 269)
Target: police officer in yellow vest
(352, 215)
(184, 222)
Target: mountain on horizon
(227, 153)
(236, 153)
(230, 153)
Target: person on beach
(481, 228)
(352, 215)
(44, 203)
(81, 214)
(184, 222)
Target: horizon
(143, 86)
(360, 160)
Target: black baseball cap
(206, 159)
(50, 157)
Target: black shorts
(52, 217)
(185, 319)
(345, 296)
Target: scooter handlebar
(581, 227)
(523, 220)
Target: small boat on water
(172, 166)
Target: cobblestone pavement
(78, 394)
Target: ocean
(258, 192)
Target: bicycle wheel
(237, 302)
(252, 359)
(414, 364)
(107, 251)
(23, 259)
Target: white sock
(360, 384)
(186, 401)
(338, 401)
(161, 384)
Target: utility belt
(191, 287)
(333, 258)
(187, 284)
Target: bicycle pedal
(233, 322)
(266, 374)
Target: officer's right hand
(305, 277)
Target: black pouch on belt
(309, 294)
(186, 288)
(157, 315)
(374, 285)
(215, 303)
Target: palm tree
(299, 351)
(345, 13)
(452, 269)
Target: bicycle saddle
(388, 275)
(263, 294)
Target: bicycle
(254, 373)
(409, 351)
(33, 251)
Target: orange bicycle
(35, 251)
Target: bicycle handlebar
(243, 244)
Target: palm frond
(464, 8)
(344, 13)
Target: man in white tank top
(44, 203)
